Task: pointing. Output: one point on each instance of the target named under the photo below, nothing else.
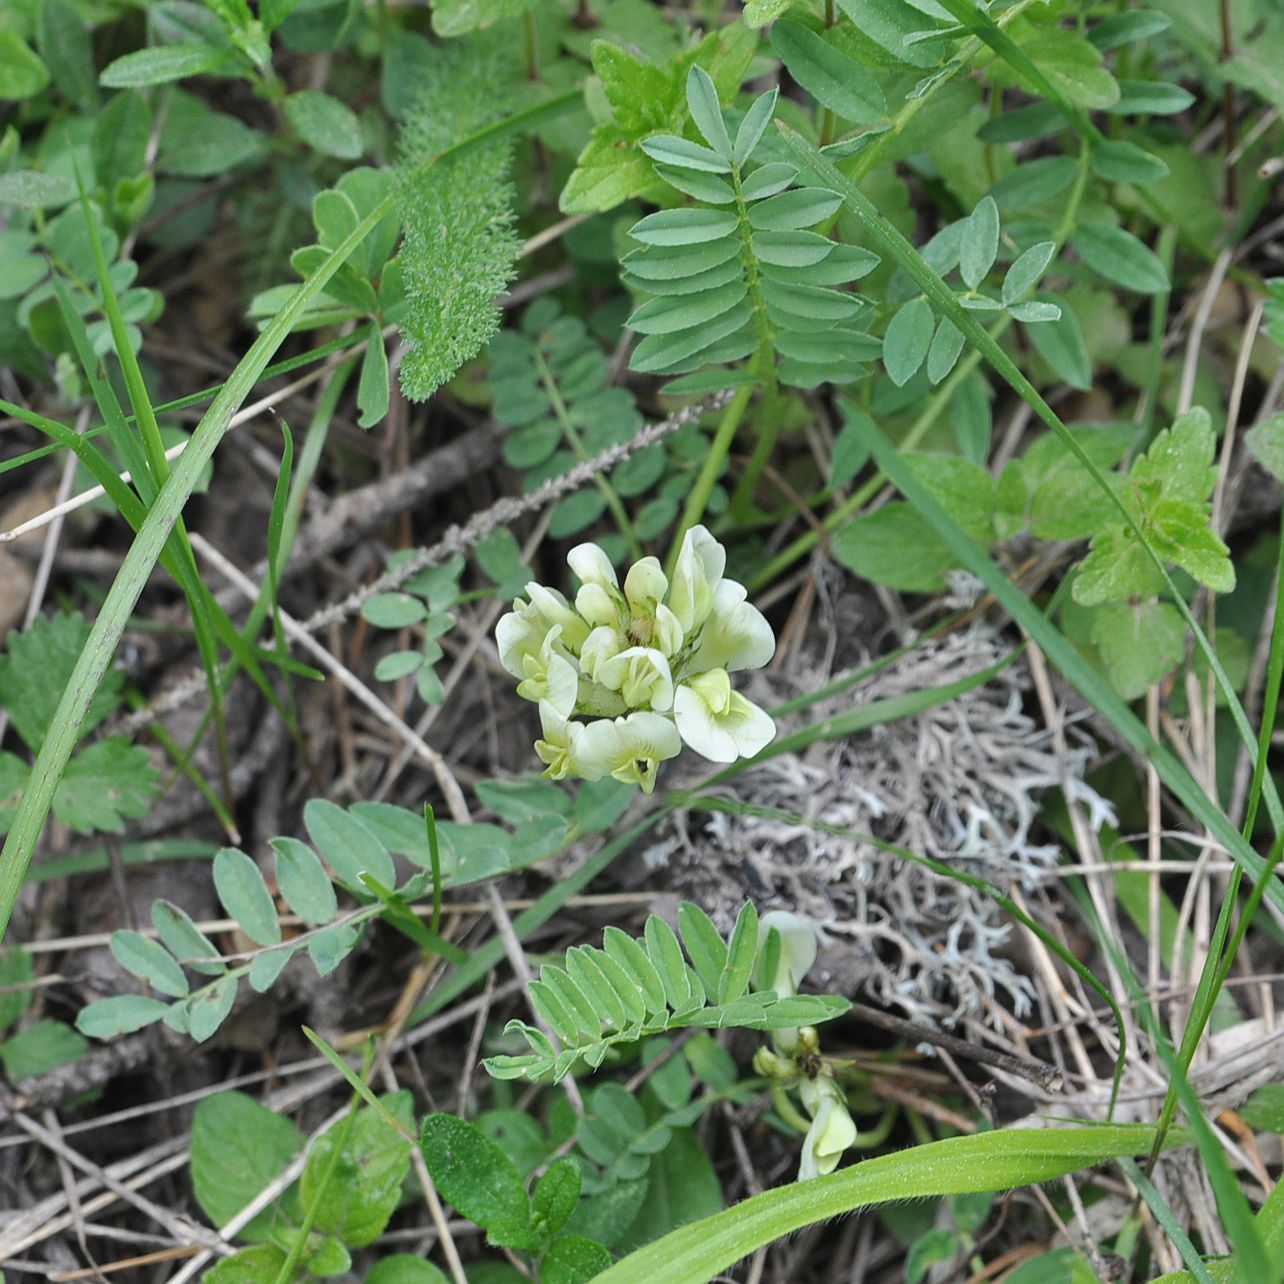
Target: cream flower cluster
(649, 663)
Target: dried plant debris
(960, 782)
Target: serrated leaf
(1140, 642)
(1120, 257)
(827, 74)
(908, 339)
(245, 896)
(150, 961)
(1180, 459)
(105, 783)
(1117, 568)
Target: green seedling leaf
(574, 1259)
(706, 111)
(22, 73)
(556, 1195)
(164, 64)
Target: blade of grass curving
(434, 864)
(985, 1161)
(276, 527)
(146, 549)
(939, 294)
(1090, 684)
(711, 802)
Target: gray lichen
(960, 782)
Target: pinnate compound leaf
(706, 111)
(119, 1014)
(754, 124)
(238, 1148)
(245, 896)
(150, 961)
(105, 783)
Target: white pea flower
(645, 664)
(719, 722)
(696, 574)
(556, 749)
(550, 676)
(601, 645)
(641, 675)
(832, 1130)
(628, 749)
(735, 636)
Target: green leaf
(16, 969)
(850, 454)
(1119, 257)
(394, 611)
(1117, 567)
(372, 390)
(105, 783)
(37, 668)
(979, 246)
(828, 75)
(1034, 182)
(163, 64)
(150, 961)
(245, 896)
(556, 1195)
(947, 344)
(1127, 26)
(40, 1048)
(238, 1149)
(1140, 642)
(22, 74)
(1060, 343)
(908, 338)
(1265, 442)
(303, 882)
(752, 127)
(703, 187)
(474, 1175)
(683, 227)
(184, 940)
(997, 1160)
(895, 547)
(67, 49)
(706, 111)
(213, 1005)
(399, 664)
(348, 845)
(706, 948)
(405, 1268)
(1072, 66)
(886, 26)
(519, 800)
(1119, 161)
(671, 313)
(575, 512)
(668, 149)
(1151, 98)
(1180, 533)
(197, 142)
(258, 1264)
(794, 211)
(119, 1014)
(325, 124)
(29, 188)
(573, 1259)
(14, 775)
(1180, 459)
(357, 1202)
